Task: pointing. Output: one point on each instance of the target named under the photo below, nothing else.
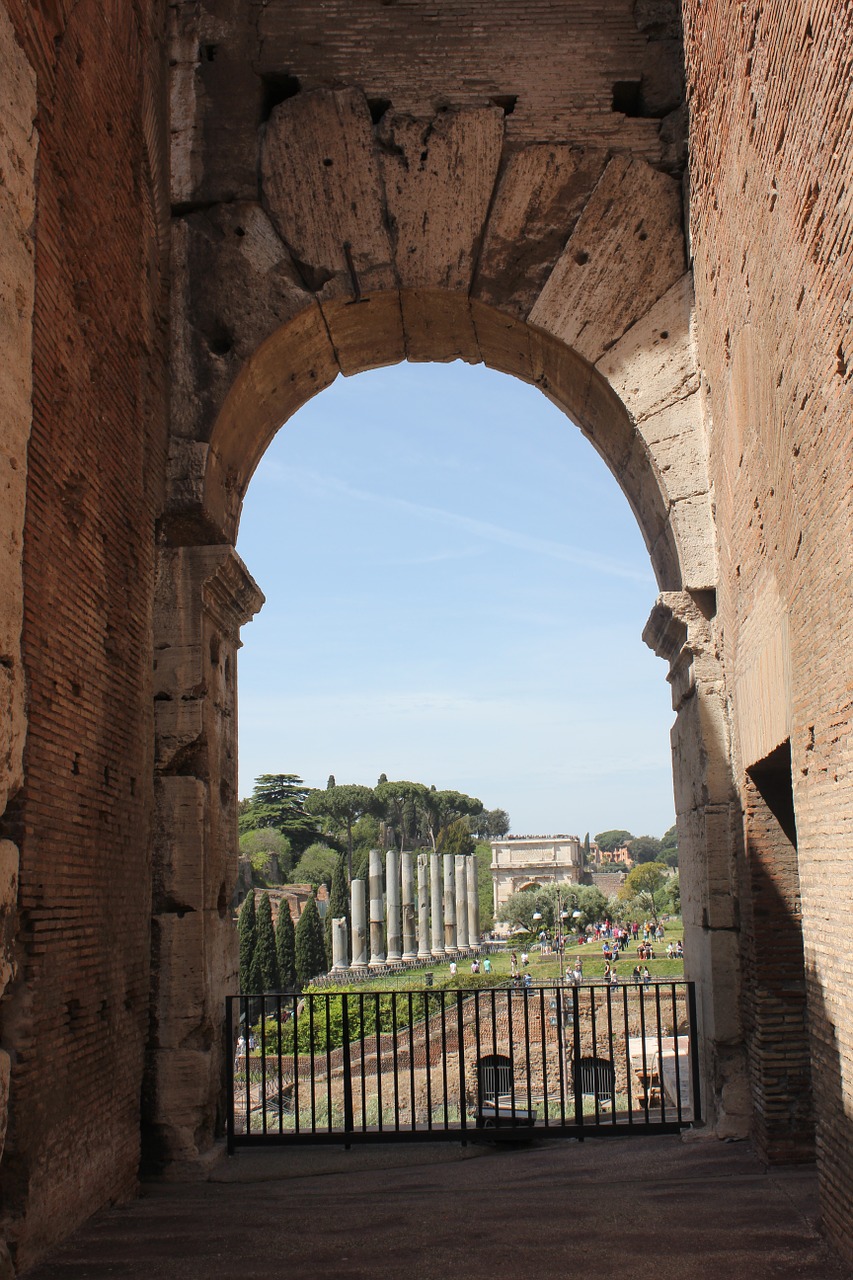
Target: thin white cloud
(324, 485)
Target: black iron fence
(355, 1066)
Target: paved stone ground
(656, 1207)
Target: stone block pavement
(665, 1208)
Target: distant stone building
(622, 856)
(522, 862)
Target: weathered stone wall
(770, 216)
(75, 1016)
(18, 147)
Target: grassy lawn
(542, 969)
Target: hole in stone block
(277, 88)
(628, 97)
(581, 257)
(377, 108)
(772, 779)
(208, 52)
(506, 102)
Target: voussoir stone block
(439, 177)
(625, 252)
(654, 364)
(322, 186)
(540, 195)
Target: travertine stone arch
(373, 243)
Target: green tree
(440, 810)
(265, 947)
(285, 946)
(672, 895)
(339, 905)
(457, 838)
(400, 801)
(247, 934)
(587, 853)
(259, 844)
(608, 841)
(342, 806)
(278, 801)
(669, 847)
(490, 824)
(316, 866)
(642, 887)
(310, 948)
(645, 849)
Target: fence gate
(362, 1066)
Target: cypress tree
(265, 947)
(285, 946)
(310, 948)
(338, 905)
(247, 933)
(256, 977)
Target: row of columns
(448, 914)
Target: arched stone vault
(421, 240)
(418, 239)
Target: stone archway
(377, 241)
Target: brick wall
(75, 1020)
(770, 217)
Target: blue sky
(456, 590)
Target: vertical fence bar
(511, 1048)
(329, 1124)
(576, 1061)
(349, 1119)
(611, 1052)
(361, 1049)
(646, 1077)
(626, 1022)
(230, 1072)
(660, 1054)
(428, 1048)
(280, 1090)
(694, 1054)
(460, 1032)
(379, 1061)
(544, 1052)
(263, 1046)
(296, 1098)
(594, 1033)
(412, 1060)
(444, 1055)
(527, 1049)
(311, 1052)
(675, 1051)
(244, 1025)
(395, 1061)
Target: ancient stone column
(339, 943)
(408, 877)
(359, 925)
(377, 914)
(473, 902)
(437, 914)
(449, 904)
(392, 905)
(423, 909)
(461, 903)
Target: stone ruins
(519, 862)
(449, 912)
(208, 212)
